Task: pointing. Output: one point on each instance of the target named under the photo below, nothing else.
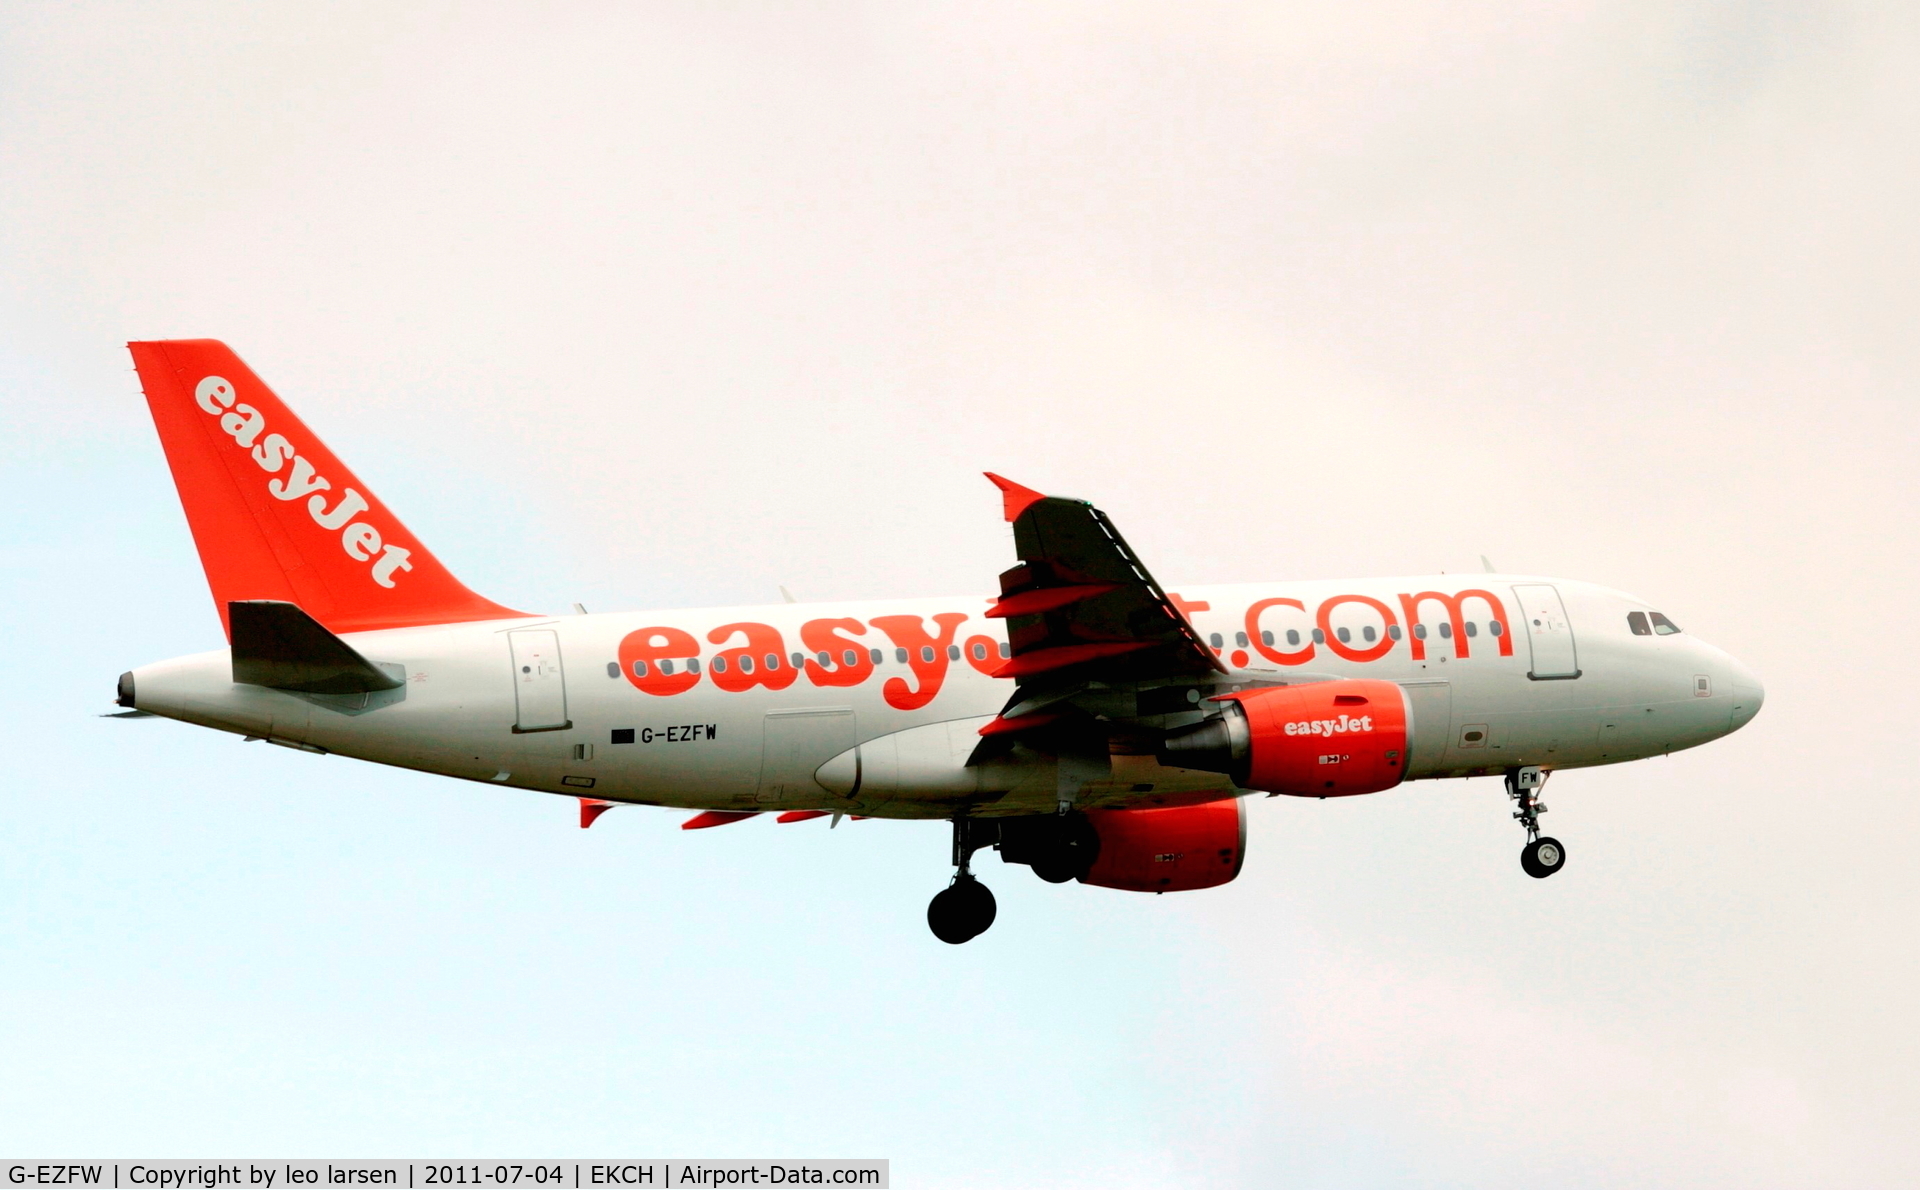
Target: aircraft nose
(1748, 695)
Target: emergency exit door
(1550, 634)
(539, 685)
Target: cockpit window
(1638, 622)
(1663, 626)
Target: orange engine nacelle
(1175, 849)
(1323, 739)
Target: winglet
(1017, 498)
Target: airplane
(1085, 721)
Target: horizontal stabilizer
(276, 644)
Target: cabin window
(693, 665)
(720, 665)
(979, 651)
(1319, 637)
(824, 658)
(900, 655)
(1343, 634)
(666, 667)
(773, 660)
(953, 652)
(876, 656)
(639, 669)
(1472, 630)
(1446, 631)
(1663, 626)
(1636, 621)
(1495, 627)
(851, 657)
(799, 660)
(1266, 638)
(1393, 632)
(1240, 639)
(1367, 634)
(1215, 641)
(746, 663)
(1419, 632)
(1293, 636)
(613, 669)
(1006, 650)
(926, 652)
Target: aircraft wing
(1081, 607)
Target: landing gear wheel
(1542, 858)
(1070, 853)
(962, 911)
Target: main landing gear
(964, 909)
(1059, 847)
(1542, 856)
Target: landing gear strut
(1542, 856)
(964, 909)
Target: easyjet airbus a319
(1084, 721)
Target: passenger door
(1549, 632)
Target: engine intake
(1324, 739)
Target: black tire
(1071, 851)
(961, 912)
(1056, 868)
(980, 906)
(1542, 858)
(947, 917)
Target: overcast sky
(662, 305)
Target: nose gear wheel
(1542, 856)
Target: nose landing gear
(964, 909)
(1542, 856)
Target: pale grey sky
(665, 304)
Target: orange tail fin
(274, 514)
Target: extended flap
(276, 644)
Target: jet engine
(1322, 739)
(1174, 849)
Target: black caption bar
(653, 1174)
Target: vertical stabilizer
(274, 514)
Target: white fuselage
(501, 701)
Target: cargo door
(797, 742)
(1549, 633)
(539, 685)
